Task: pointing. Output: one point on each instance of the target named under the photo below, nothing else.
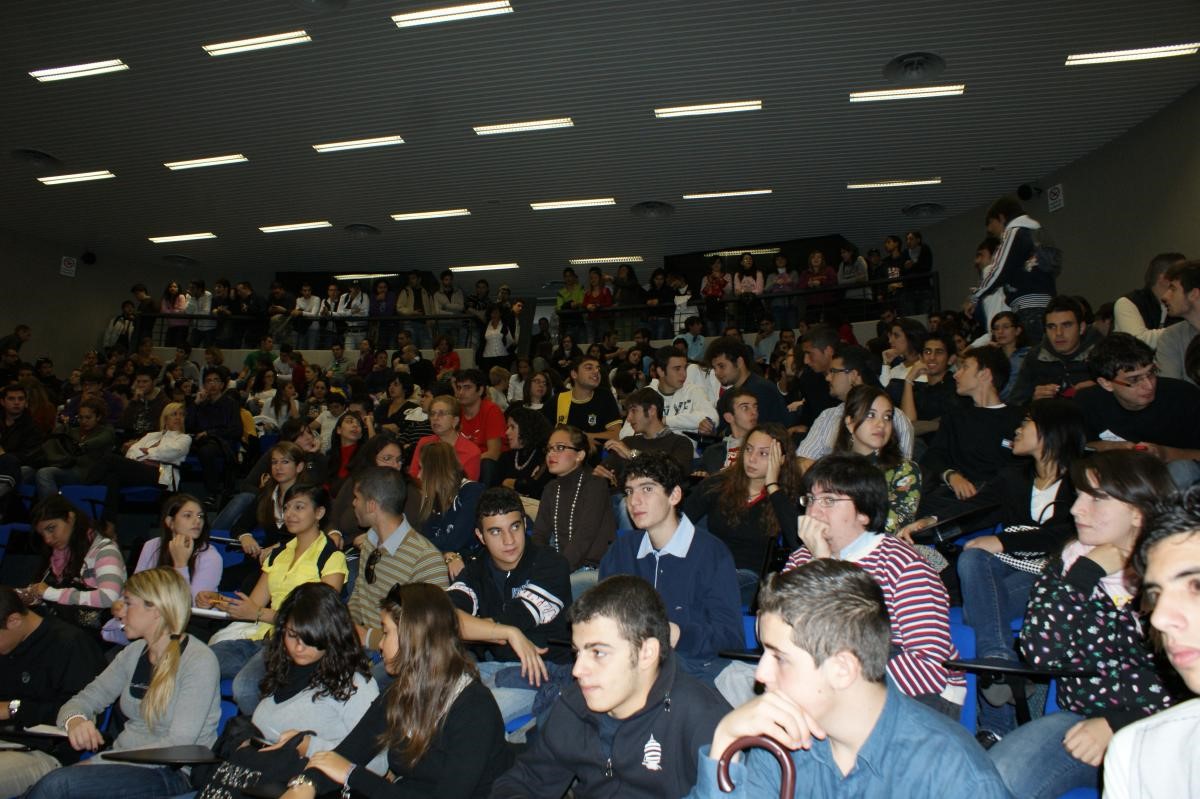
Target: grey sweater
(191, 716)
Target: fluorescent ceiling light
(524, 127)
(736, 253)
(1167, 51)
(894, 184)
(708, 108)
(714, 194)
(358, 144)
(558, 205)
(257, 43)
(295, 226)
(216, 160)
(182, 237)
(77, 177)
(907, 94)
(616, 259)
(79, 70)
(431, 214)
(452, 13)
(365, 275)
(483, 267)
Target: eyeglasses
(839, 370)
(824, 501)
(1133, 381)
(372, 562)
(561, 448)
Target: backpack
(1046, 256)
(326, 553)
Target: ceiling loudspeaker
(923, 210)
(914, 67)
(652, 209)
(361, 230)
(38, 158)
(180, 260)
(1027, 191)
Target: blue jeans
(513, 702)
(747, 585)
(234, 655)
(582, 579)
(245, 685)
(104, 781)
(1034, 764)
(1185, 473)
(49, 478)
(233, 511)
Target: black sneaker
(987, 739)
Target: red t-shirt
(468, 456)
(488, 423)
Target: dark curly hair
(317, 616)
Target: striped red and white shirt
(918, 608)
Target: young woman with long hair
(867, 430)
(166, 685)
(752, 503)
(539, 393)
(523, 465)
(82, 573)
(440, 727)
(905, 338)
(348, 434)
(448, 500)
(183, 545)
(575, 516)
(308, 557)
(715, 288)
(174, 304)
(317, 675)
(152, 460)
(283, 406)
(1083, 616)
(1009, 335)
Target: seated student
(575, 517)
(738, 410)
(1182, 300)
(82, 573)
(845, 506)
(644, 417)
(524, 611)
(751, 505)
(215, 424)
(349, 433)
(183, 545)
(309, 557)
(692, 570)
(850, 367)
(969, 449)
(317, 676)
(152, 460)
(1082, 616)
(444, 418)
(523, 465)
(37, 679)
(145, 405)
(165, 685)
(825, 630)
(448, 502)
(1155, 758)
(686, 406)
(926, 401)
(390, 553)
(1058, 364)
(482, 420)
(20, 439)
(83, 453)
(1132, 407)
(589, 405)
(631, 723)
(382, 450)
(439, 726)
(731, 362)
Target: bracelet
(946, 475)
(769, 485)
(450, 557)
(300, 779)
(69, 719)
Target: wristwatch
(300, 779)
(14, 707)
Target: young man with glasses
(391, 553)
(512, 599)
(1132, 407)
(846, 505)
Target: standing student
(166, 686)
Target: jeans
(49, 478)
(1033, 320)
(660, 328)
(747, 585)
(233, 511)
(582, 579)
(245, 685)
(106, 780)
(513, 702)
(1185, 473)
(234, 655)
(1034, 764)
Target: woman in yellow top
(308, 558)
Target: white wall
(1136, 196)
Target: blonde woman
(166, 686)
(152, 460)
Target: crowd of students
(568, 551)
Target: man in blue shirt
(825, 634)
(692, 570)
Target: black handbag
(247, 766)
